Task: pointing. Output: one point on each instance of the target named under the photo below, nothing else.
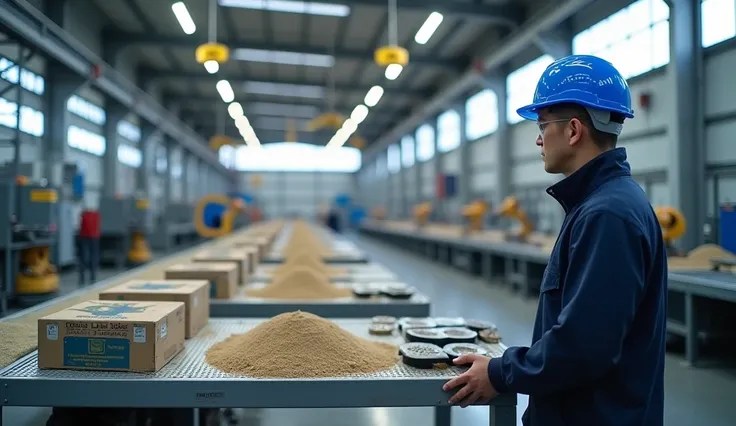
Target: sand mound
(305, 260)
(300, 345)
(299, 284)
(699, 258)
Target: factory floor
(693, 396)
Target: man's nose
(539, 140)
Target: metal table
(706, 284)
(242, 306)
(189, 382)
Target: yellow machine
(422, 212)
(36, 210)
(378, 213)
(215, 215)
(139, 252)
(673, 226)
(511, 208)
(474, 214)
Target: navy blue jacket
(597, 354)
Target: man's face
(554, 142)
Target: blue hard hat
(585, 80)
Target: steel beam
(20, 19)
(152, 75)
(119, 40)
(507, 13)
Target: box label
(52, 331)
(155, 286)
(102, 353)
(139, 334)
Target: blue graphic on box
(155, 286)
(113, 310)
(90, 352)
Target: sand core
(300, 345)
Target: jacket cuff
(495, 374)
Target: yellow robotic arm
(673, 226)
(421, 213)
(511, 208)
(474, 214)
(214, 215)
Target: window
(226, 154)
(28, 79)
(86, 110)
(448, 131)
(129, 131)
(297, 157)
(31, 120)
(718, 19)
(634, 39)
(86, 141)
(129, 155)
(425, 143)
(381, 165)
(176, 171)
(393, 158)
(407, 151)
(481, 114)
(521, 84)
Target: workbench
(188, 382)
(243, 306)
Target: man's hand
(477, 386)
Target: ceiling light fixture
(373, 96)
(212, 67)
(359, 113)
(428, 28)
(235, 110)
(393, 71)
(287, 6)
(185, 19)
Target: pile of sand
(309, 261)
(301, 283)
(699, 258)
(300, 345)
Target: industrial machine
(216, 215)
(673, 226)
(422, 212)
(32, 231)
(511, 208)
(126, 224)
(474, 215)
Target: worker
(598, 346)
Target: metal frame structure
(522, 266)
(189, 382)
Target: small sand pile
(301, 283)
(307, 260)
(300, 345)
(699, 258)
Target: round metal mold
(455, 350)
(381, 329)
(450, 322)
(458, 335)
(383, 319)
(423, 355)
(489, 335)
(426, 335)
(407, 322)
(478, 325)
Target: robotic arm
(673, 226)
(511, 208)
(474, 213)
(421, 213)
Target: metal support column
(687, 154)
(497, 83)
(169, 150)
(466, 165)
(403, 203)
(115, 112)
(418, 175)
(439, 167)
(185, 190)
(148, 166)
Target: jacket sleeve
(603, 284)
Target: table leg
(691, 337)
(442, 416)
(502, 415)
(486, 268)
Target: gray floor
(694, 396)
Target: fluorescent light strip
(235, 110)
(225, 91)
(285, 110)
(185, 19)
(373, 96)
(287, 90)
(212, 66)
(308, 8)
(428, 28)
(393, 71)
(359, 113)
(283, 57)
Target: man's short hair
(604, 140)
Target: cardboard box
(229, 256)
(223, 276)
(195, 294)
(252, 252)
(262, 243)
(112, 335)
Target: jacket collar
(575, 188)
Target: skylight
(289, 6)
(281, 57)
(282, 89)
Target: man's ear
(574, 131)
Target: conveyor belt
(357, 258)
(187, 381)
(259, 277)
(243, 306)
